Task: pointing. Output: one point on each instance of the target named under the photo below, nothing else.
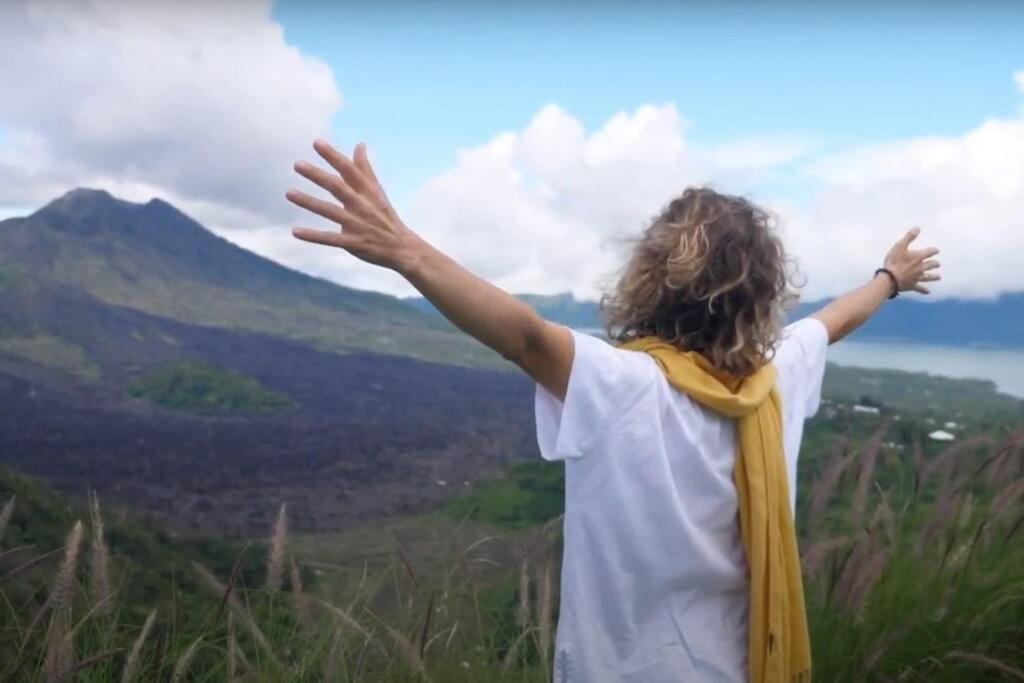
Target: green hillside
(150, 562)
(153, 258)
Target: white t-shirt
(654, 575)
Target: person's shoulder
(605, 383)
(603, 367)
(806, 327)
(609, 359)
(801, 340)
(800, 360)
(802, 348)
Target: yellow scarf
(779, 649)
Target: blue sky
(422, 80)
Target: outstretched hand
(912, 267)
(370, 229)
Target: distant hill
(153, 258)
(947, 322)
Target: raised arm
(909, 267)
(372, 231)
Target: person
(680, 440)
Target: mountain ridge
(970, 323)
(153, 258)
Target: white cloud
(201, 102)
(542, 209)
(965, 192)
(545, 209)
(762, 152)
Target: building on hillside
(870, 410)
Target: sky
(529, 140)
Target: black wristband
(895, 282)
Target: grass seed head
(275, 556)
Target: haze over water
(1003, 366)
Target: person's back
(680, 549)
(654, 582)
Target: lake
(1004, 367)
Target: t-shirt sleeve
(800, 361)
(604, 383)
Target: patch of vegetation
(191, 385)
(527, 494)
(920, 393)
(149, 562)
(7, 277)
(52, 352)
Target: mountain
(154, 259)
(145, 357)
(948, 322)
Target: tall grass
(931, 589)
(921, 581)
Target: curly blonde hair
(708, 275)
